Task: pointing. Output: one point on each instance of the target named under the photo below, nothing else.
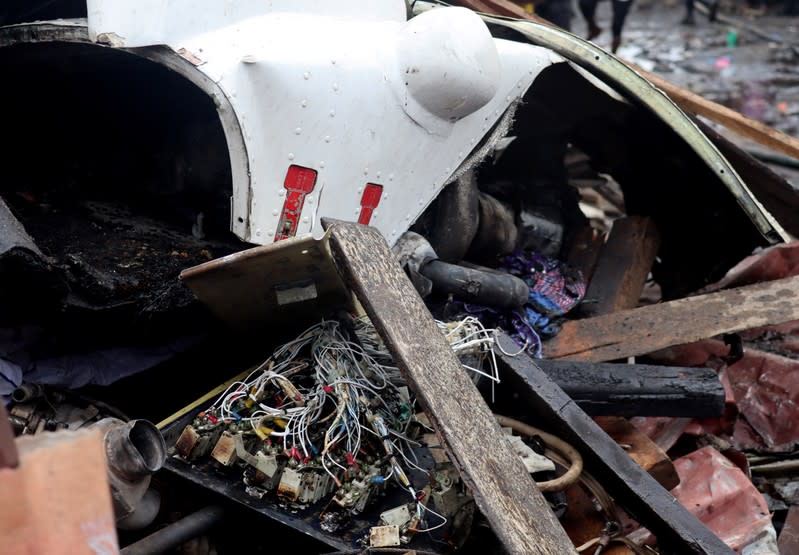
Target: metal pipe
(27, 392)
(487, 288)
(144, 512)
(177, 533)
(497, 232)
(134, 451)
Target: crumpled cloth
(555, 289)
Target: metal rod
(177, 533)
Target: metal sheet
(723, 497)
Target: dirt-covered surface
(111, 255)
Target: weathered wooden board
(294, 278)
(585, 251)
(638, 389)
(623, 266)
(503, 491)
(644, 330)
(641, 449)
(628, 483)
(499, 7)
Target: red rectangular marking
(369, 201)
(298, 183)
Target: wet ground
(747, 62)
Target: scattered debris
(543, 335)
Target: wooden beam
(631, 487)
(500, 7)
(624, 264)
(503, 490)
(638, 389)
(585, 250)
(689, 102)
(643, 330)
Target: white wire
(419, 508)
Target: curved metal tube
(144, 513)
(177, 533)
(482, 287)
(27, 392)
(134, 451)
(497, 232)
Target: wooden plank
(631, 487)
(643, 330)
(500, 7)
(689, 102)
(638, 389)
(294, 278)
(582, 521)
(503, 490)
(585, 250)
(623, 266)
(641, 449)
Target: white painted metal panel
(329, 89)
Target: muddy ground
(745, 61)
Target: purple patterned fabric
(555, 289)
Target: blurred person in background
(620, 10)
(558, 12)
(712, 11)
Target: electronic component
(327, 416)
(398, 516)
(289, 486)
(225, 450)
(384, 536)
